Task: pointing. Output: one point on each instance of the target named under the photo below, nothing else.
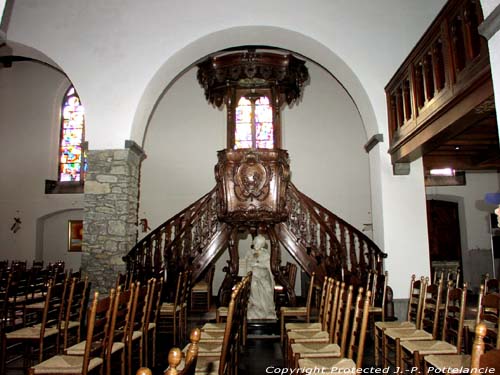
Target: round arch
(286, 39)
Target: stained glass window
(254, 123)
(71, 160)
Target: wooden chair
(296, 312)
(480, 358)
(120, 317)
(491, 285)
(319, 323)
(225, 363)
(137, 324)
(37, 335)
(211, 342)
(201, 292)
(323, 336)
(355, 352)
(413, 352)
(412, 317)
(170, 311)
(75, 312)
(94, 347)
(378, 291)
(152, 323)
(488, 312)
(336, 347)
(426, 329)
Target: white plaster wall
(324, 136)
(488, 6)
(55, 246)
(30, 99)
(474, 216)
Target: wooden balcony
(443, 92)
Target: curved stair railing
(184, 241)
(326, 244)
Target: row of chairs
(433, 329)
(51, 320)
(121, 329)
(376, 283)
(21, 287)
(337, 340)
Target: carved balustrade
(332, 246)
(449, 64)
(173, 245)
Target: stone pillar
(111, 199)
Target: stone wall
(111, 199)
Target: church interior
(249, 187)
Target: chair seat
(430, 347)
(36, 306)
(302, 326)
(168, 307)
(30, 333)
(79, 349)
(211, 336)
(214, 327)
(308, 336)
(375, 309)
(71, 324)
(407, 334)
(316, 350)
(329, 365)
(65, 364)
(136, 335)
(471, 324)
(207, 349)
(204, 366)
(395, 324)
(202, 286)
(293, 310)
(448, 361)
(151, 326)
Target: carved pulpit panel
(251, 185)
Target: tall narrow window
(71, 160)
(254, 123)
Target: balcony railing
(448, 68)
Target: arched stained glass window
(71, 159)
(254, 123)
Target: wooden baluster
(457, 43)
(428, 77)
(438, 65)
(419, 85)
(472, 39)
(399, 107)
(407, 99)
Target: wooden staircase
(316, 238)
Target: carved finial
(174, 358)
(144, 371)
(192, 351)
(478, 346)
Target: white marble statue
(261, 302)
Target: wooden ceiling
(474, 148)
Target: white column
(399, 219)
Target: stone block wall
(111, 199)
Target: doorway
(444, 232)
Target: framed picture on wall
(75, 235)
